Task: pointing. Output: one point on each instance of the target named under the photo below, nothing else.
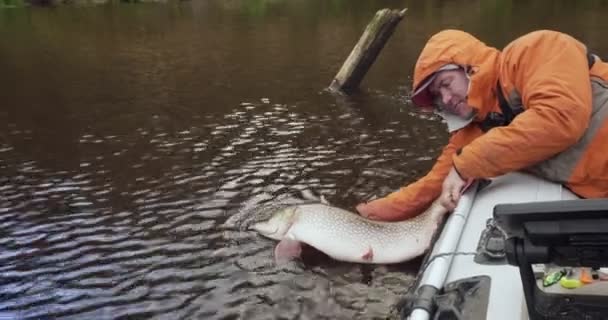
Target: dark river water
(136, 141)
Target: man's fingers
(466, 186)
(455, 193)
(446, 201)
(453, 186)
(365, 211)
(362, 209)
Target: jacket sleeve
(414, 198)
(551, 74)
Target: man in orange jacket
(540, 106)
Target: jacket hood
(480, 61)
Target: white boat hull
(506, 300)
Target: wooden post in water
(366, 50)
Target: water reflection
(139, 220)
(136, 139)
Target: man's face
(450, 89)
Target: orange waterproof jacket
(561, 135)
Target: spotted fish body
(346, 236)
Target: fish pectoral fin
(368, 255)
(286, 250)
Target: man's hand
(367, 210)
(381, 209)
(452, 188)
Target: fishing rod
(435, 270)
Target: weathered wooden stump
(366, 50)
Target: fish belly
(360, 242)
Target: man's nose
(445, 98)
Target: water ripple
(152, 223)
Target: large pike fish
(347, 236)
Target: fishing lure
(569, 280)
(553, 277)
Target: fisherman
(540, 106)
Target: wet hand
(451, 190)
(367, 210)
(383, 210)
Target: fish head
(278, 224)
